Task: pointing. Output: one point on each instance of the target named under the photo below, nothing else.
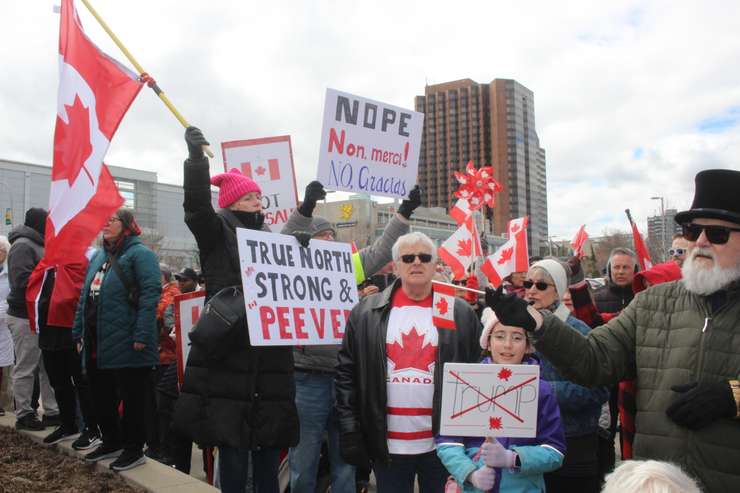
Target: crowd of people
(651, 356)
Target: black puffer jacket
(234, 394)
(362, 366)
(612, 298)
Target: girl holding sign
(506, 464)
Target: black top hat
(717, 196)
(187, 273)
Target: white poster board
(188, 308)
(368, 146)
(269, 162)
(295, 295)
(482, 400)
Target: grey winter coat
(26, 250)
(323, 358)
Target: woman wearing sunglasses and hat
(545, 283)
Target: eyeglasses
(541, 285)
(674, 252)
(460, 282)
(424, 258)
(718, 235)
(113, 219)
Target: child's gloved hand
(483, 478)
(495, 455)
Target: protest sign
(483, 400)
(188, 308)
(295, 295)
(269, 162)
(368, 146)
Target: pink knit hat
(233, 186)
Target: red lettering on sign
(318, 322)
(267, 318)
(283, 322)
(336, 324)
(299, 323)
(194, 314)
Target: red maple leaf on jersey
(465, 247)
(494, 423)
(72, 144)
(504, 374)
(442, 306)
(411, 354)
(506, 255)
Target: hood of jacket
(24, 231)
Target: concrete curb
(151, 476)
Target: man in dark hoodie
(26, 250)
(620, 271)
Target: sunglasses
(717, 235)
(540, 285)
(673, 252)
(424, 258)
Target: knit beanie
(557, 272)
(319, 225)
(232, 186)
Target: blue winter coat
(119, 324)
(580, 407)
(538, 455)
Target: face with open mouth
(508, 344)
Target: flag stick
(142, 73)
(465, 288)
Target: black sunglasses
(424, 258)
(676, 251)
(541, 285)
(718, 235)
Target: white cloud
(608, 78)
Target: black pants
(580, 469)
(65, 376)
(130, 385)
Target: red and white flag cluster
(462, 248)
(579, 241)
(94, 94)
(477, 186)
(511, 257)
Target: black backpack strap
(133, 295)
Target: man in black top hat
(680, 340)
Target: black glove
(512, 310)
(576, 271)
(408, 206)
(314, 192)
(700, 403)
(352, 449)
(303, 237)
(195, 140)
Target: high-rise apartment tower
(488, 124)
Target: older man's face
(622, 268)
(416, 272)
(725, 255)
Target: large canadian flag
(460, 249)
(94, 94)
(510, 257)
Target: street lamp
(662, 224)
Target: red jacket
(167, 346)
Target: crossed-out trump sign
(489, 400)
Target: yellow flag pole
(142, 73)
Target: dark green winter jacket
(119, 323)
(658, 339)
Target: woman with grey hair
(546, 283)
(6, 341)
(649, 476)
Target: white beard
(703, 280)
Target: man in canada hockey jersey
(389, 373)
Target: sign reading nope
(295, 295)
(483, 400)
(269, 162)
(368, 146)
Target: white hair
(4, 243)
(651, 476)
(705, 281)
(412, 239)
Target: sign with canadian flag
(188, 308)
(489, 400)
(269, 162)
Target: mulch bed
(29, 467)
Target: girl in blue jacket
(507, 464)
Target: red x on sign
(488, 399)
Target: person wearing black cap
(27, 250)
(680, 340)
(187, 280)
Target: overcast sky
(631, 98)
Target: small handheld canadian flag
(460, 211)
(443, 306)
(460, 249)
(578, 241)
(510, 257)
